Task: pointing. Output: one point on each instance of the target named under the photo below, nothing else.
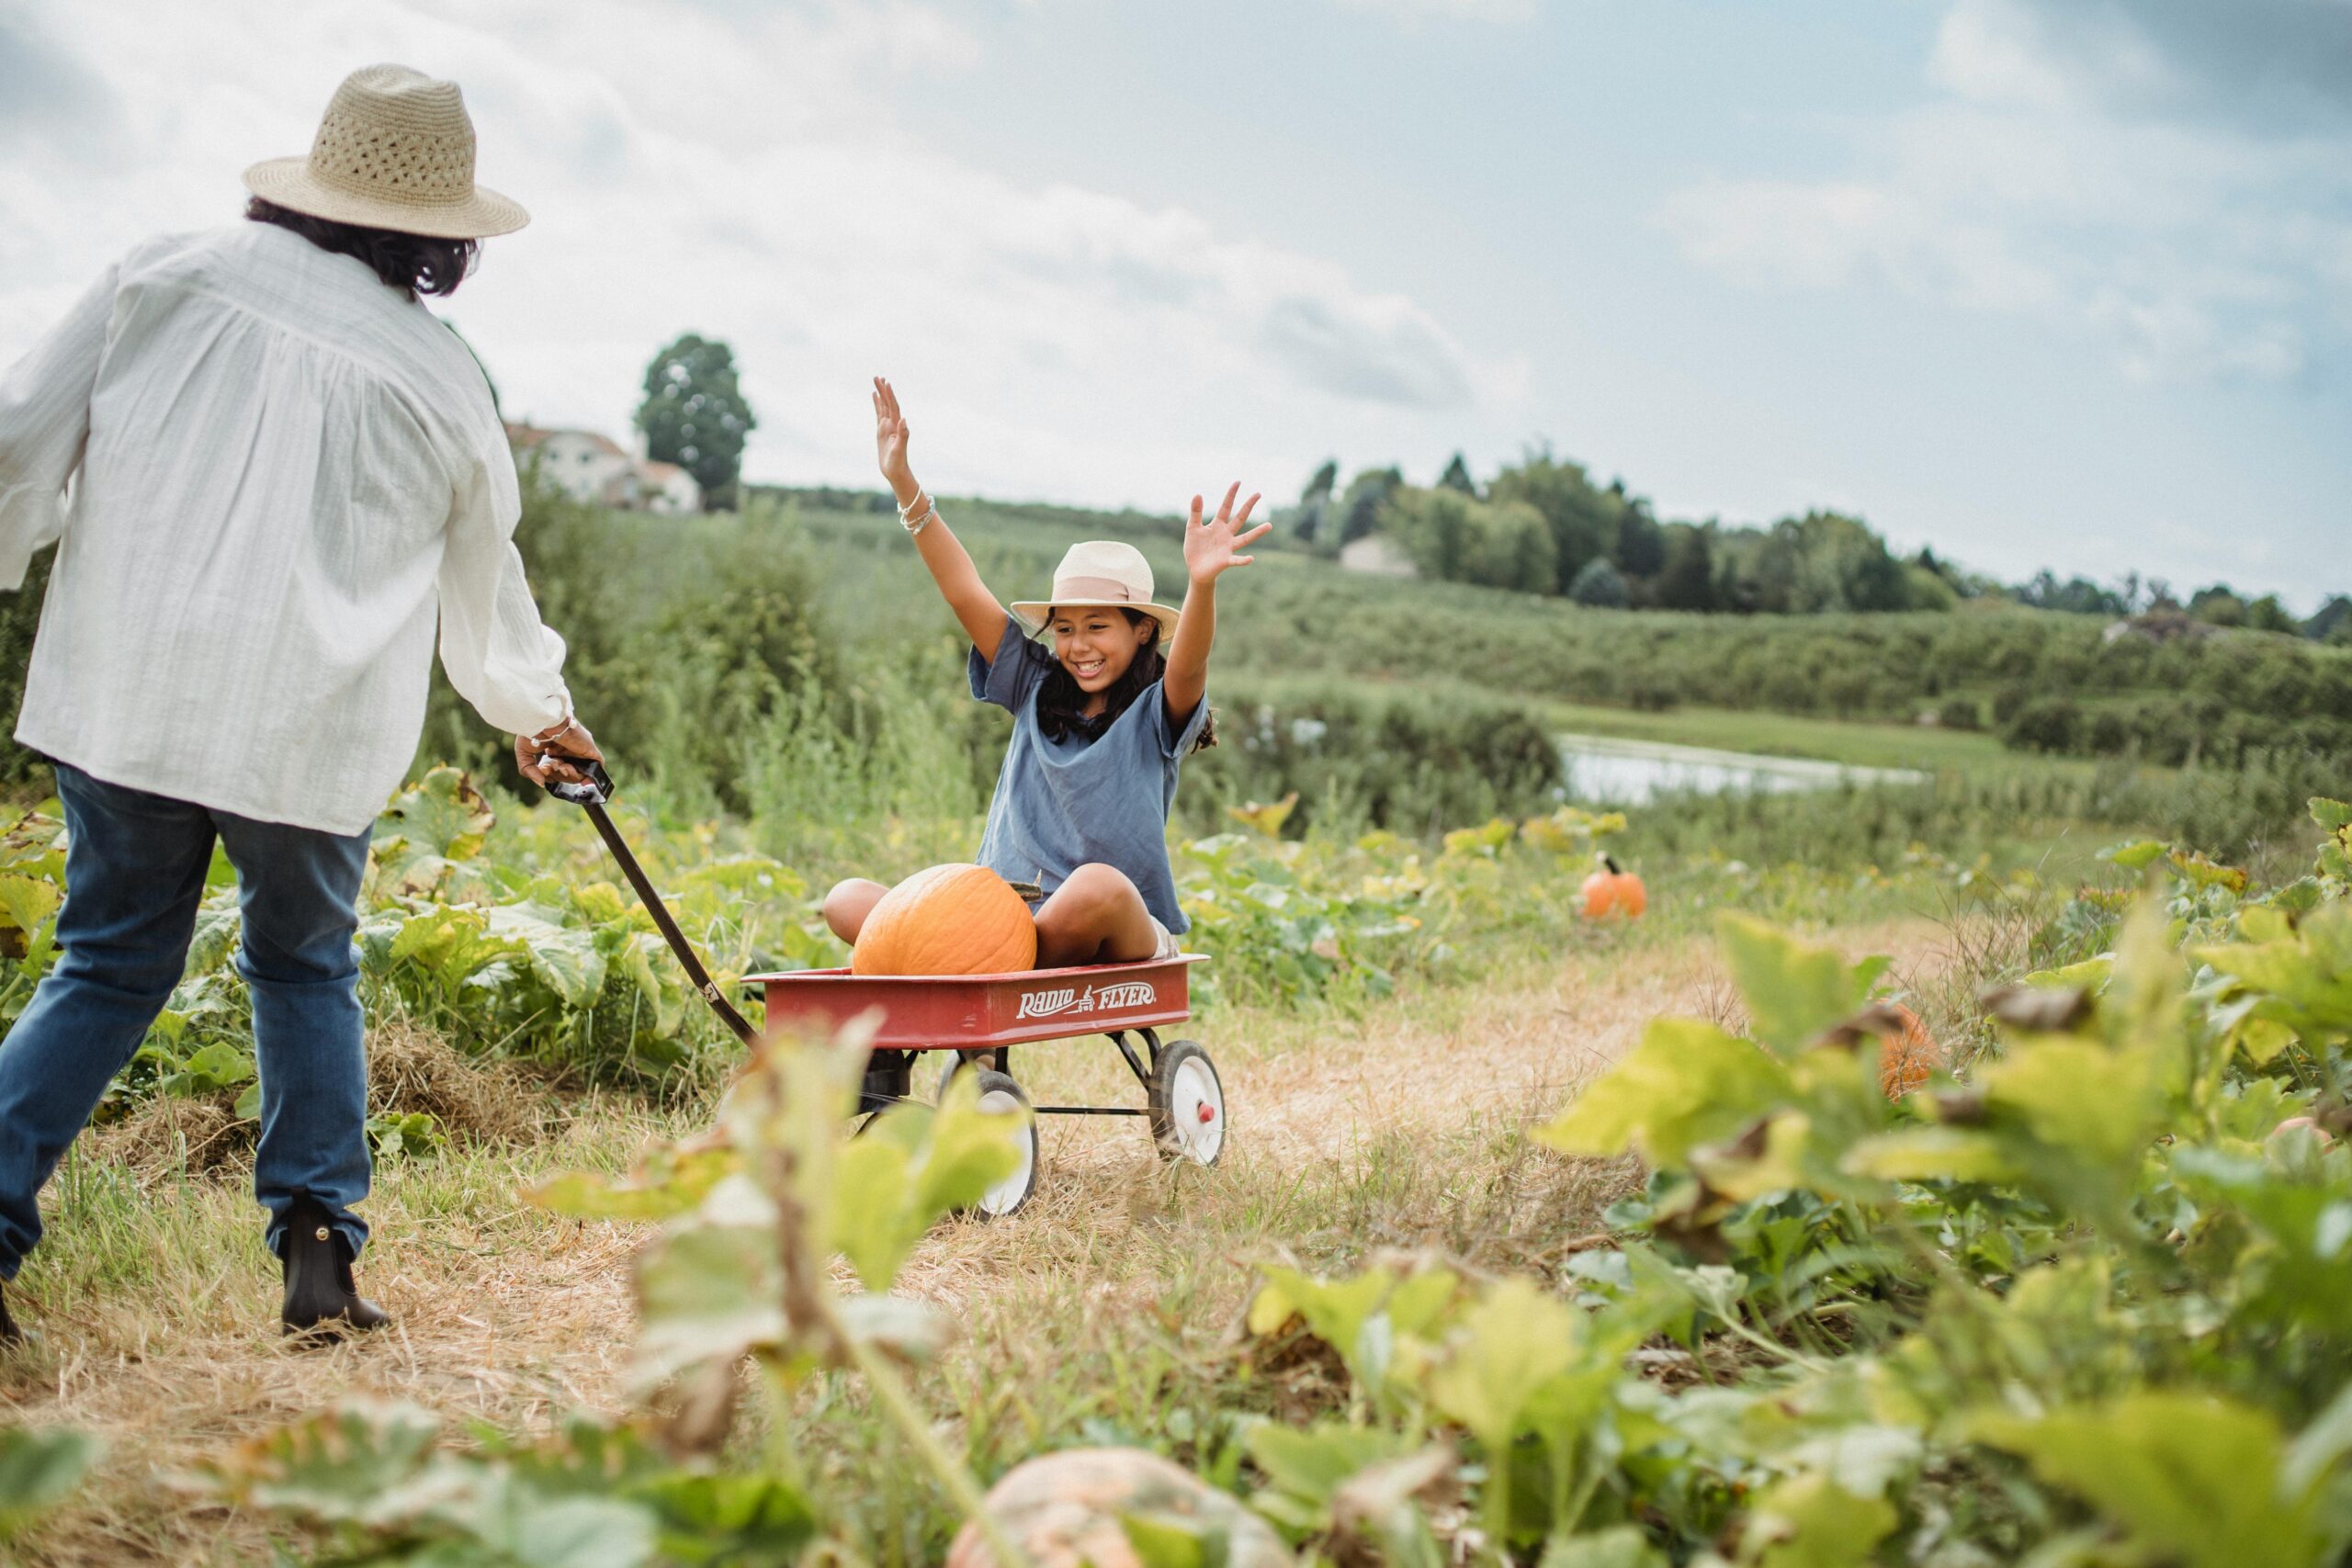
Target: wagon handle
(591, 793)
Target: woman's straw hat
(1101, 572)
(395, 151)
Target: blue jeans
(134, 874)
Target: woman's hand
(891, 443)
(542, 757)
(1209, 546)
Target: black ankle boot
(10, 1333)
(320, 1300)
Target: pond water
(1604, 771)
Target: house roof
(526, 436)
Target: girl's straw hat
(395, 151)
(1100, 572)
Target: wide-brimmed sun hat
(395, 151)
(1099, 574)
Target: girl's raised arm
(1208, 551)
(951, 566)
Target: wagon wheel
(1187, 1104)
(1002, 1097)
(957, 1061)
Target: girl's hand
(1209, 547)
(891, 443)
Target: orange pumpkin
(951, 919)
(1907, 1054)
(1613, 891)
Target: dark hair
(1061, 703)
(413, 264)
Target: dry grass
(1109, 1301)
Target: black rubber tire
(956, 1063)
(1183, 1080)
(1005, 1199)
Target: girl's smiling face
(1096, 645)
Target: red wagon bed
(982, 1016)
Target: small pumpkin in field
(2306, 1123)
(950, 920)
(1064, 1509)
(1613, 890)
(1907, 1054)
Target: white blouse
(284, 467)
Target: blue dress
(1061, 804)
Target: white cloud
(737, 171)
(2189, 248)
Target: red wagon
(981, 1018)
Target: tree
(1360, 508)
(1599, 586)
(2267, 614)
(1581, 515)
(1641, 543)
(1457, 477)
(1687, 580)
(2218, 605)
(694, 415)
(1315, 502)
(1457, 538)
(2332, 617)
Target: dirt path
(508, 1315)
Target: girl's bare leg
(849, 903)
(1096, 917)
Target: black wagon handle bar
(591, 793)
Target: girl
(1101, 724)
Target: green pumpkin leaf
(1812, 1522)
(710, 1288)
(1793, 990)
(332, 1468)
(1687, 1084)
(564, 959)
(1623, 1546)
(729, 1517)
(671, 1181)
(26, 902)
(1175, 1540)
(39, 1466)
(874, 1222)
(1930, 1154)
(2138, 856)
(1508, 1344)
(2188, 1478)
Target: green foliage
(1452, 536)
(39, 1467)
(1598, 586)
(2085, 1305)
(696, 416)
(1375, 757)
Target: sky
(2036, 283)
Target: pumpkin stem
(1611, 862)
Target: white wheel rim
(1006, 1195)
(1194, 1091)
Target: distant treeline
(1544, 526)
